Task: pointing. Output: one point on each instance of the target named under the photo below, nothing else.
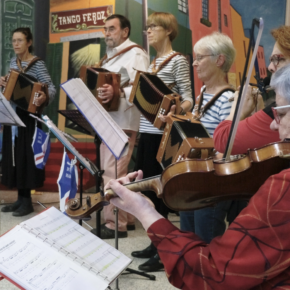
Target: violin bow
(242, 92)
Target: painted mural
(76, 36)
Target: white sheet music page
(33, 265)
(108, 130)
(64, 232)
(7, 115)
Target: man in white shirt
(123, 57)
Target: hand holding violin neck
(152, 184)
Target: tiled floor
(136, 240)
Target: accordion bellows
(152, 97)
(95, 77)
(22, 89)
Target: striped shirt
(176, 71)
(217, 112)
(38, 71)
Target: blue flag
(67, 181)
(41, 147)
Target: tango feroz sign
(77, 20)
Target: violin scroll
(75, 210)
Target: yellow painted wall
(239, 40)
(64, 5)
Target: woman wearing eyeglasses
(173, 69)
(214, 56)
(19, 168)
(254, 131)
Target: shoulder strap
(200, 111)
(105, 57)
(32, 62)
(164, 63)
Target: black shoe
(25, 208)
(146, 253)
(107, 233)
(152, 265)
(131, 227)
(14, 206)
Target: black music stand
(82, 124)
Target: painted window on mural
(226, 20)
(205, 9)
(182, 6)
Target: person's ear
(126, 32)
(29, 43)
(168, 32)
(220, 60)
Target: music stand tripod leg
(81, 188)
(98, 142)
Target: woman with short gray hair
(214, 56)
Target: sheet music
(27, 261)
(7, 115)
(100, 120)
(64, 232)
(61, 137)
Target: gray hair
(280, 82)
(218, 43)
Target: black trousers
(146, 161)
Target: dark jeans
(208, 222)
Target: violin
(195, 183)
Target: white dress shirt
(127, 116)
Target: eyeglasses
(17, 40)
(151, 26)
(276, 58)
(198, 58)
(278, 116)
(110, 29)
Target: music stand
(104, 126)
(8, 116)
(78, 119)
(63, 138)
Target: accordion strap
(105, 57)
(31, 63)
(200, 111)
(164, 63)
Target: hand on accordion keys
(40, 99)
(3, 82)
(164, 118)
(106, 93)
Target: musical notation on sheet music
(76, 240)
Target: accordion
(22, 89)
(95, 77)
(152, 97)
(183, 138)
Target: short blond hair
(218, 43)
(166, 20)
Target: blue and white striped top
(217, 112)
(38, 71)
